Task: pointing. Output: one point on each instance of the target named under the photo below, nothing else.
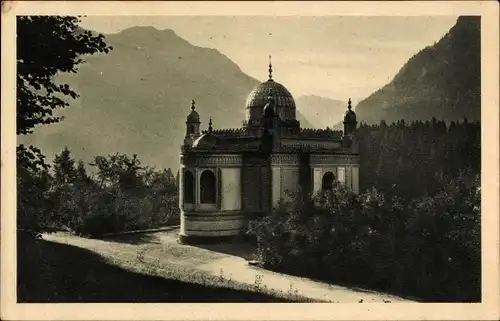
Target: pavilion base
(195, 239)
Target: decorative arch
(327, 181)
(188, 187)
(208, 187)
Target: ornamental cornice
(285, 159)
(212, 160)
(334, 159)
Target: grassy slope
(54, 272)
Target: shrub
(428, 247)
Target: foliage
(47, 45)
(429, 247)
(33, 190)
(122, 195)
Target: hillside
(321, 111)
(136, 98)
(441, 81)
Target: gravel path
(227, 261)
(237, 268)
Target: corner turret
(350, 128)
(350, 122)
(192, 125)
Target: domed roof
(350, 116)
(193, 116)
(284, 104)
(206, 141)
(258, 96)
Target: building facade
(229, 176)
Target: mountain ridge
(442, 81)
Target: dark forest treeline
(420, 158)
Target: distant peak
(148, 36)
(146, 30)
(318, 97)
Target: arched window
(192, 129)
(188, 187)
(207, 187)
(327, 181)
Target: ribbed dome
(206, 141)
(281, 95)
(258, 98)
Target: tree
(34, 208)
(47, 45)
(63, 189)
(64, 168)
(121, 171)
(81, 174)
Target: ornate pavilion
(229, 176)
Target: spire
(193, 116)
(270, 69)
(349, 104)
(210, 125)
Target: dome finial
(192, 105)
(270, 69)
(349, 104)
(210, 125)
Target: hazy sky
(335, 57)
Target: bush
(428, 248)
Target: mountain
(136, 98)
(320, 111)
(441, 81)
